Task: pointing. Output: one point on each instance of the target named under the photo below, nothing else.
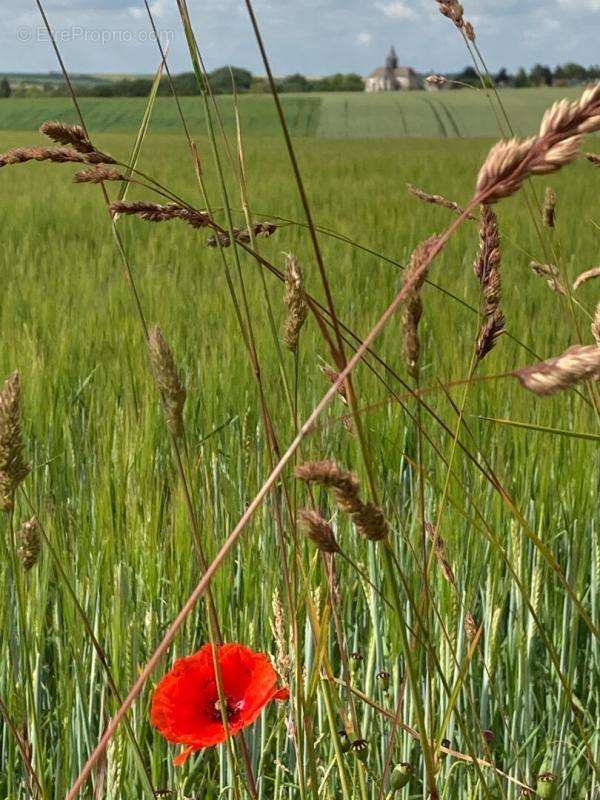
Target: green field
(106, 490)
(465, 113)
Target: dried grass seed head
(13, 467)
(168, 381)
(295, 302)
(28, 543)
(73, 135)
(578, 363)
(318, 530)
(549, 209)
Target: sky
(314, 37)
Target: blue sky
(315, 37)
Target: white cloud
(364, 38)
(157, 8)
(397, 9)
(580, 5)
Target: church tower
(391, 62)
(391, 65)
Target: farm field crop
(517, 507)
(447, 114)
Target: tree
(468, 75)
(540, 75)
(502, 78)
(222, 80)
(574, 72)
(5, 90)
(295, 83)
(521, 79)
(340, 83)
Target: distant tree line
(221, 81)
(569, 74)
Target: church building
(392, 77)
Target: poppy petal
(282, 694)
(183, 756)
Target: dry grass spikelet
(65, 134)
(593, 158)
(155, 212)
(295, 302)
(28, 541)
(412, 308)
(584, 277)
(283, 661)
(439, 549)
(436, 80)
(318, 530)
(549, 209)
(469, 31)
(368, 518)
(551, 274)
(98, 174)
(13, 467)
(370, 522)
(470, 626)
(242, 235)
(167, 379)
(437, 200)
(328, 474)
(59, 155)
(596, 325)
(578, 363)
(511, 161)
(487, 270)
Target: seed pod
(546, 786)
(401, 775)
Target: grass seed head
(318, 531)
(295, 302)
(551, 274)
(436, 199)
(412, 308)
(585, 277)
(487, 270)
(167, 379)
(596, 325)
(98, 174)
(28, 540)
(13, 467)
(578, 363)
(370, 522)
(65, 134)
(549, 209)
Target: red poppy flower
(186, 707)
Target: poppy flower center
(232, 708)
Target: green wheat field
(516, 506)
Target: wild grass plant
(409, 533)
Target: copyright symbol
(24, 34)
